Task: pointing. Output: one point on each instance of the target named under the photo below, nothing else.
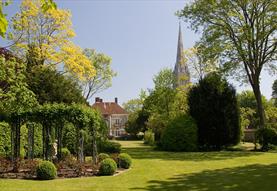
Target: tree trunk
(260, 107)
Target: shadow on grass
(247, 178)
(149, 153)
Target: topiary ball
(103, 156)
(124, 160)
(46, 170)
(107, 167)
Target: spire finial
(180, 47)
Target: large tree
(52, 87)
(104, 74)
(47, 34)
(213, 104)
(241, 33)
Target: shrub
(65, 153)
(46, 170)
(149, 137)
(107, 167)
(266, 136)
(124, 160)
(213, 105)
(180, 135)
(103, 156)
(109, 147)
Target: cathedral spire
(181, 70)
(180, 48)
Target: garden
(191, 131)
(88, 122)
(161, 170)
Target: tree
(199, 67)
(213, 105)
(247, 99)
(104, 74)
(52, 87)
(15, 99)
(135, 123)
(46, 4)
(134, 105)
(242, 34)
(160, 101)
(248, 109)
(47, 33)
(3, 20)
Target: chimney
(97, 99)
(116, 100)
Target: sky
(139, 35)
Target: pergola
(52, 118)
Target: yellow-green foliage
(49, 33)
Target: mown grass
(157, 170)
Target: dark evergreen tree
(52, 87)
(213, 104)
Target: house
(114, 115)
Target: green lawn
(155, 170)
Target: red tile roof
(108, 108)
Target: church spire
(181, 70)
(180, 48)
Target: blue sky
(139, 35)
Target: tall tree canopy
(15, 97)
(104, 74)
(48, 33)
(213, 105)
(52, 87)
(241, 33)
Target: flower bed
(67, 168)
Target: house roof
(108, 108)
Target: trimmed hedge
(180, 135)
(103, 156)
(109, 147)
(107, 167)
(124, 160)
(46, 170)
